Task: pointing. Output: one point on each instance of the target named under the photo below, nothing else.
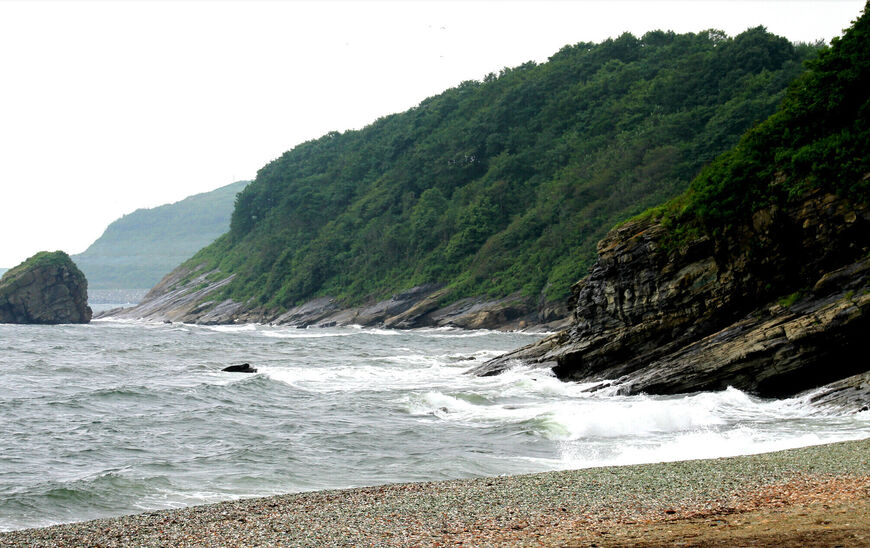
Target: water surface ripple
(119, 417)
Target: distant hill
(3, 271)
(138, 249)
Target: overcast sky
(107, 107)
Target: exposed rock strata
(849, 394)
(47, 288)
(777, 305)
(187, 296)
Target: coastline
(816, 494)
(187, 296)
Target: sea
(118, 417)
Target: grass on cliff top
(42, 259)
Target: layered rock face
(777, 305)
(187, 296)
(47, 288)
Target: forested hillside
(500, 185)
(818, 140)
(758, 276)
(140, 248)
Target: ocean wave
(294, 333)
(140, 416)
(354, 378)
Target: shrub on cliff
(43, 259)
(818, 139)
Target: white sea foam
(376, 331)
(242, 328)
(293, 333)
(440, 405)
(348, 378)
(328, 407)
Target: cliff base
(777, 306)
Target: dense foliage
(505, 184)
(138, 249)
(819, 138)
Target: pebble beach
(815, 495)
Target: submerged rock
(47, 288)
(776, 306)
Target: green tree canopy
(504, 184)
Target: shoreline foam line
(550, 508)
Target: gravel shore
(821, 490)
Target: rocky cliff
(758, 276)
(47, 288)
(776, 305)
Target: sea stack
(47, 288)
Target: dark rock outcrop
(849, 394)
(47, 288)
(775, 306)
(240, 368)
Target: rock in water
(241, 368)
(47, 288)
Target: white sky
(106, 107)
